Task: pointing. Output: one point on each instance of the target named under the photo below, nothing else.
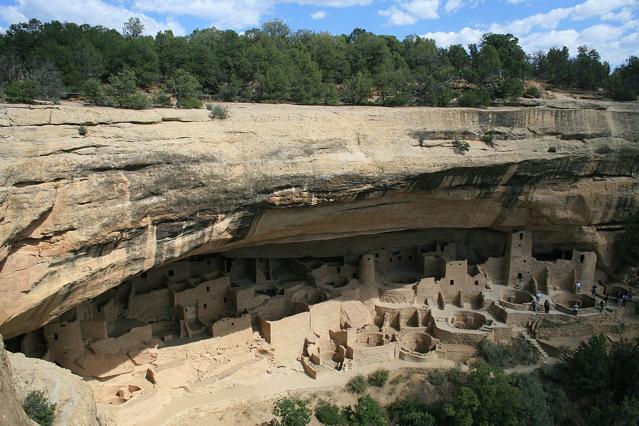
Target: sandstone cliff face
(78, 215)
(11, 412)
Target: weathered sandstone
(78, 215)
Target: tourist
(602, 305)
(578, 286)
(547, 306)
(538, 296)
(594, 290)
(575, 309)
(534, 306)
(624, 299)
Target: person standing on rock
(578, 286)
(538, 296)
(547, 306)
(594, 290)
(575, 309)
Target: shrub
(189, 102)
(330, 415)
(94, 92)
(437, 378)
(292, 412)
(162, 99)
(357, 384)
(408, 412)
(460, 147)
(185, 88)
(367, 412)
(488, 139)
(511, 88)
(217, 111)
(82, 130)
(475, 98)
(22, 91)
(38, 408)
(519, 352)
(532, 92)
(124, 91)
(378, 378)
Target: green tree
(358, 89)
(408, 412)
(185, 87)
(292, 412)
(22, 91)
(133, 27)
(366, 412)
(124, 93)
(94, 92)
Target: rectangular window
(452, 282)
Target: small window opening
(452, 282)
(582, 258)
(520, 275)
(55, 336)
(205, 306)
(476, 282)
(521, 236)
(208, 289)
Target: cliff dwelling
(332, 305)
(174, 262)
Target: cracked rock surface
(80, 214)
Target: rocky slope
(80, 214)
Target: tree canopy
(276, 64)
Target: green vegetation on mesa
(274, 64)
(597, 385)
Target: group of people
(537, 301)
(621, 297)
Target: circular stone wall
(418, 342)
(467, 320)
(565, 301)
(402, 279)
(516, 296)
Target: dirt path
(271, 386)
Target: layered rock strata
(80, 214)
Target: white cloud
(409, 12)
(551, 19)
(320, 14)
(464, 37)
(452, 5)
(94, 12)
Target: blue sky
(610, 26)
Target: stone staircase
(535, 344)
(568, 354)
